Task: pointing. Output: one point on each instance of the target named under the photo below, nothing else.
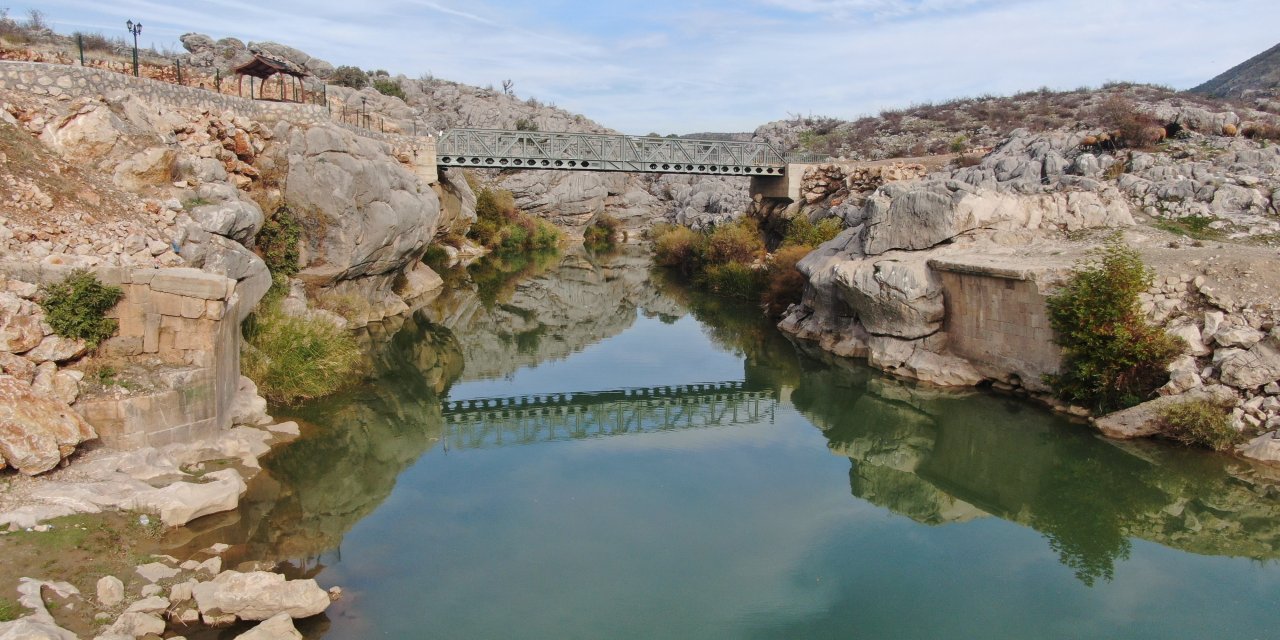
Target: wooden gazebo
(263, 66)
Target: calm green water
(668, 466)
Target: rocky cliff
(938, 278)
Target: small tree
(1112, 358)
(351, 77)
(389, 87)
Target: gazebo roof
(264, 66)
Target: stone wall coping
(997, 268)
(183, 281)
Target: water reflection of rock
(940, 458)
(315, 489)
(581, 301)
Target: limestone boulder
(1258, 366)
(36, 432)
(277, 627)
(55, 348)
(259, 595)
(147, 168)
(239, 220)
(110, 591)
(1143, 420)
(897, 297)
(316, 66)
(377, 216)
(19, 324)
(136, 624)
(182, 502)
(32, 629)
(1265, 447)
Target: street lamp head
(128, 24)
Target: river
(577, 447)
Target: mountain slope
(1259, 73)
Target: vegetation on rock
(1112, 358)
(277, 243)
(352, 77)
(77, 307)
(1200, 423)
(502, 227)
(294, 358)
(389, 87)
(731, 260)
(602, 233)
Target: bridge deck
(495, 149)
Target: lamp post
(363, 115)
(135, 29)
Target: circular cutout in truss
(545, 163)
(445, 160)
(665, 167)
(584, 163)
(559, 163)
(572, 163)
(475, 161)
(517, 162)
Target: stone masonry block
(194, 307)
(214, 309)
(191, 282)
(151, 333)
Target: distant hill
(1260, 73)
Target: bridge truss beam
(498, 149)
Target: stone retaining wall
(997, 319)
(57, 80)
(183, 326)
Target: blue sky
(681, 66)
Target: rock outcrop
(259, 595)
(36, 432)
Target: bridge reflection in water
(498, 422)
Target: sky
(686, 66)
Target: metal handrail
(494, 148)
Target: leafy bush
(95, 41)
(1200, 423)
(77, 307)
(526, 124)
(1111, 357)
(736, 242)
(389, 87)
(733, 279)
(785, 284)
(292, 358)
(277, 242)
(351, 77)
(600, 235)
(500, 225)
(1261, 131)
(803, 233)
(677, 246)
(1132, 127)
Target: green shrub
(435, 257)
(1200, 423)
(733, 279)
(389, 87)
(526, 124)
(278, 240)
(677, 246)
(77, 307)
(292, 358)
(600, 235)
(500, 225)
(351, 77)
(803, 233)
(1111, 357)
(737, 242)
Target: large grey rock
(1258, 366)
(110, 591)
(30, 628)
(239, 220)
(277, 627)
(182, 502)
(36, 433)
(1143, 420)
(897, 297)
(135, 624)
(376, 214)
(259, 595)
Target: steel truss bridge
(499, 422)
(500, 149)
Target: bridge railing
(500, 149)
